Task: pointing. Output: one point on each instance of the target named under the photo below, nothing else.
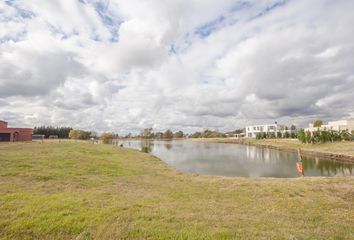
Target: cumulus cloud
(29, 73)
(125, 65)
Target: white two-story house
(252, 131)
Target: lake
(235, 159)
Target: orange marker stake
(299, 169)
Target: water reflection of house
(259, 154)
(14, 134)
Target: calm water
(236, 160)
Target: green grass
(82, 191)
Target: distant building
(235, 135)
(14, 134)
(38, 136)
(333, 125)
(252, 131)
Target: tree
(107, 138)
(345, 135)
(237, 131)
(270, 135)
(286, 135)
(279, 135)
(168, 134)
(212, 134)
(147, 133)
(159, 135)
(206, 133)
(79, 134)
(309, 138)
(260, 136)
(73, 134)
(302, 136)
(178, 134)
(324, 136)
(197, 135)
(318, 123)
(61, 132)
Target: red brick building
(14, 134)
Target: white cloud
(124, 65)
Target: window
(5, 137)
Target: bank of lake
(72, 190)
(341, 151)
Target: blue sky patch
(270, 8)
(22, 13)
(112, 23)
(228, 18)
(205, 30)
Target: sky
(118, 65)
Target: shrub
(79, 134)
(107, 138)
(168, 134)
(323, 136)
(258, 136)
(270, 135)
(309, 137)
(301, 136)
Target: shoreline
(310, 152)
(336, 151)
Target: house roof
(3, 121)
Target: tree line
(79, 134)
(148, 133)
(276, 135)
(208, 134)
(61, 132)
(324, 136)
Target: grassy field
(83, 191)
(345, 148)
